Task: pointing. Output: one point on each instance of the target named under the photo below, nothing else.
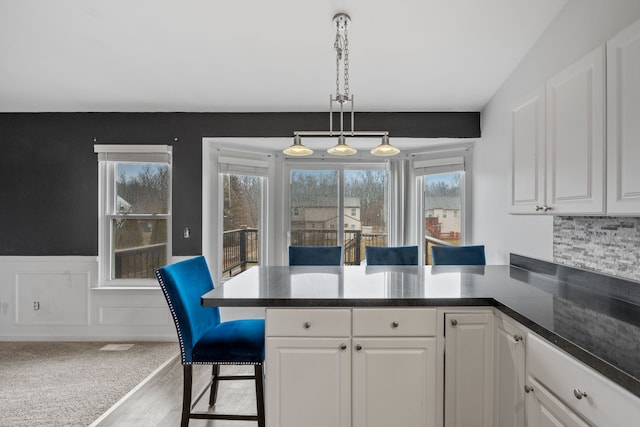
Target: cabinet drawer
(389, 322)
(605, 403)
(325, 322)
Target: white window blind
(436, 166)
(243, 166)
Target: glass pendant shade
(341, 148)
(385, 149)
(297, 149)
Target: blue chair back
(183, 283)
(458, 255)
(398, 255)
(315, 255)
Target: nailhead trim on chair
(180, 340)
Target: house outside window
(349, 203)
(134, 212)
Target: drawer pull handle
(528, 388)
(454, 322)
(306, 325)
(343, 346)
(358, 347)
(395, 324)
(579, 394)
(517, 338)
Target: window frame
(435, 162)
(108, 157)
(340, 166)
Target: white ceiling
(257, 55)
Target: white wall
(579, 28)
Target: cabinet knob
(539, 208)
(546, 208)
(517, 338)
(579, 394)
(395, 324)
(306, 325)
(343, 346)
(454, 322)
(528, 388)
(358, 347)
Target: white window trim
(224, 150)
(439, 160)
(107, 155)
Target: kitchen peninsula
(576, 327)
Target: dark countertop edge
(606, 369)
(603, 367)
(623, 289)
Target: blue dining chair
(205, 340)
(315, 255)
(458, 255)
(396, 255)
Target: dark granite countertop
(593, 317)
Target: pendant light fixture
(341, 45)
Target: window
(134, 212)
(241, 181)
(332, 198)
(443, 199)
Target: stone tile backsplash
(609, 245)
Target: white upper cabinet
(527, 189)
(576, 137)
(623, 122)
(558, 143)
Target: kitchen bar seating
(458, 255)
(205, 340)
(398, 255)
(315, 255)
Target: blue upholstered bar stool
(205, 340)
(315, 255)
(396, 255)
(458, 255)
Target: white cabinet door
(623, 127)
(527, 183)
(308, 382)
(468, 379)
(576, 137)
(510, 374)
(545, 410)
(394, 382)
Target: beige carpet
(71, 384)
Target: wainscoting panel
(57, 298)
(52, 298)
(141, 315)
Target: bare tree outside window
(242, 199)
(139, 239)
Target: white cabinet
(509, 373)
(394, 374)
(468, 378)
(527, 183)
(576, 137)
(555, 379)
(623, 126)
(308, 367)
(318, 375)
(574, 143)
(544, 409)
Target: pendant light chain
(341, 46)
(346, 62)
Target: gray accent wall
(609, 245)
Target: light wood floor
(159, 401)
